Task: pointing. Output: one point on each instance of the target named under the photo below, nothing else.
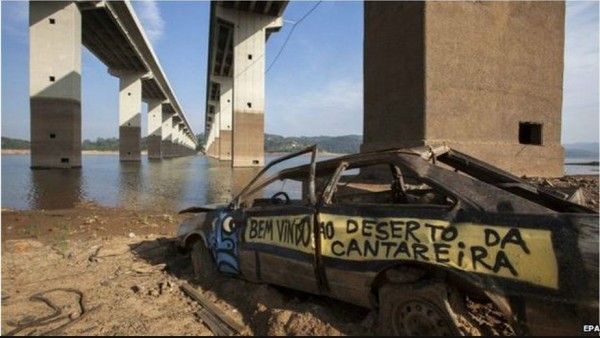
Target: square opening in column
(52, 135)
(52, 78)
(530, 133)
(52, 21)
(64, 160)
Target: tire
(204, 265)
(426, 307)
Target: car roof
(482, 184)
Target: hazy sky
(318, 77)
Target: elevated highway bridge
(111, 31)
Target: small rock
(154, 293)
(137, 288)
(74, 315)
(131, 235)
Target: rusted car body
(410, 232)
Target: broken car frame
(412, 234)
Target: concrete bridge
(482, 77)
(234, 121)
(111, 31)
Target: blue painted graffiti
(224, 243)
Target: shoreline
(83, 152)
(589, 162)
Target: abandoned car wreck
(412, 233)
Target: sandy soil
(125, 266)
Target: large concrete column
(55, 84)
(175, 140)
(155, 118)
(181, 140)
(482, 77)
(216, 150)
(130, 117)
(209, 146)
(166, 131)
(225, 117)
(249, 41)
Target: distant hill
(13, 143)
(106, 144)
(277, 143)
(331, 144)
(582, 150)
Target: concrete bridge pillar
(225, 117)
(155, 118)
(130, 116)
(214, 106)
(181, 139)
(166, 134)
(55, 84)
(209, 146)
(175, 140)
(482, 77)
(249, 40)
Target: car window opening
(377, 184)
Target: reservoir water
(171, 184)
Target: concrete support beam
(467, 74)
(155, 118)
(249, 41)
(55, 84)
(130, 116)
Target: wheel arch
(193, 237)
(411, 272)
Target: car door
(274, 221)
(363, 228)
(280, 240)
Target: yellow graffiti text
(512, 252)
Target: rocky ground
(109, 271)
